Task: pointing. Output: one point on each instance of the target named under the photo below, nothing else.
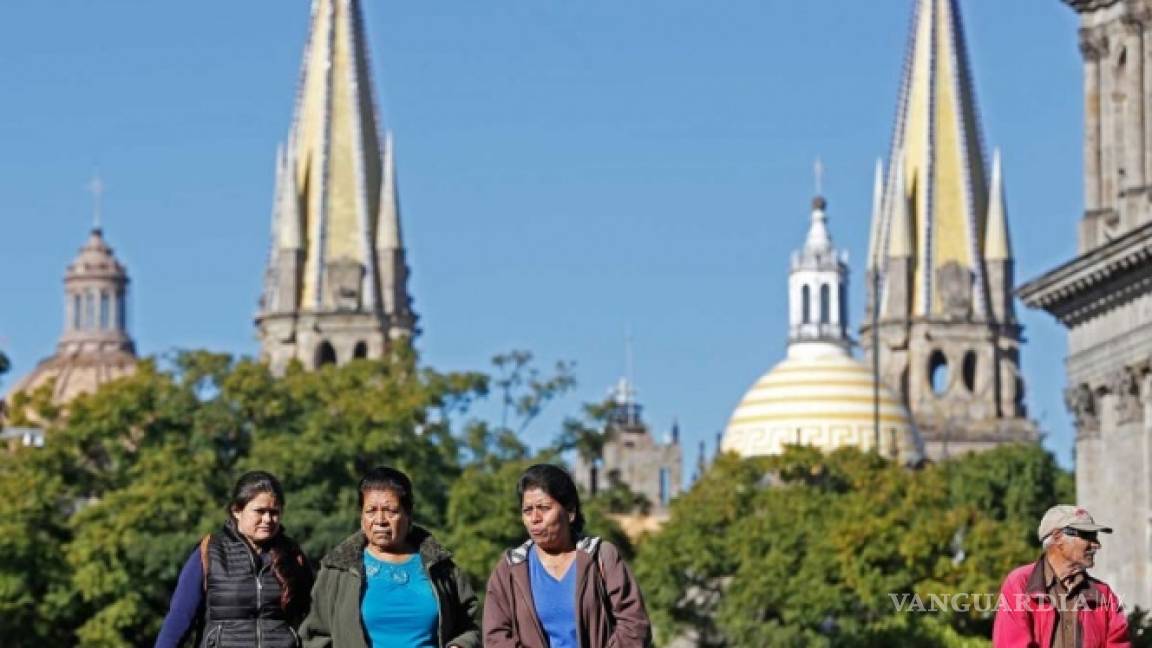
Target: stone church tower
(95, 346)
(940, 261)
(633, 456)
(1103, 296)
(336, 284)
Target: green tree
(98, 523)
(807, 549)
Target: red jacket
(1025, 616)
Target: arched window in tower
(938, 372)
(89, 310)
(842, 294)
(361, 350)
(825, 304)
(805, 304)
(77, 312)
(969, 371)
(105, 312)
(121, 312)
(325, 354)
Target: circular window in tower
(938, 373)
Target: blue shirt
(184, 610)
(399, 607)
(555, 602)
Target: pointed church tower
(336, 285)
(940, 261)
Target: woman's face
(384, 521)
(547, 523)
(259, 520)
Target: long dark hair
(557, 484)
(288, 563)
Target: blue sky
(569, 171)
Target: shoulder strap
(204, 558)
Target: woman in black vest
(247, 585)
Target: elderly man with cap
(1053, 602)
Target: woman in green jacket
(390, 584)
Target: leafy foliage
(798, 550)
(806, 549)
(95, 526)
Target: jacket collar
(588, 544)
(1038, 584)
(349, 554)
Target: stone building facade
(1103, 296)
(634, 457)
(940, 264)
(336, 286)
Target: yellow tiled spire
(336, 288)
(938, 152)
(334, 159)
(900, 241)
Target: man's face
(1078, 548)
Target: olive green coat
(334, 619)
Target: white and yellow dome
(820, 396)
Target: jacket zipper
(259, 591)
(213, 636)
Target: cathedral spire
(944, 336)
(875, 247)
(900, 241)
(997, 244)
(388, 236)
(938, 149)
(335, 210)
(998, 250)
(390, 253)
(336, 155)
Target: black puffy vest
(243, 598)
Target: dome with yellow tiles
(820, 396)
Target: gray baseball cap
(1064, 516)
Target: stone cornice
(1082, 6)
(1093, 281)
